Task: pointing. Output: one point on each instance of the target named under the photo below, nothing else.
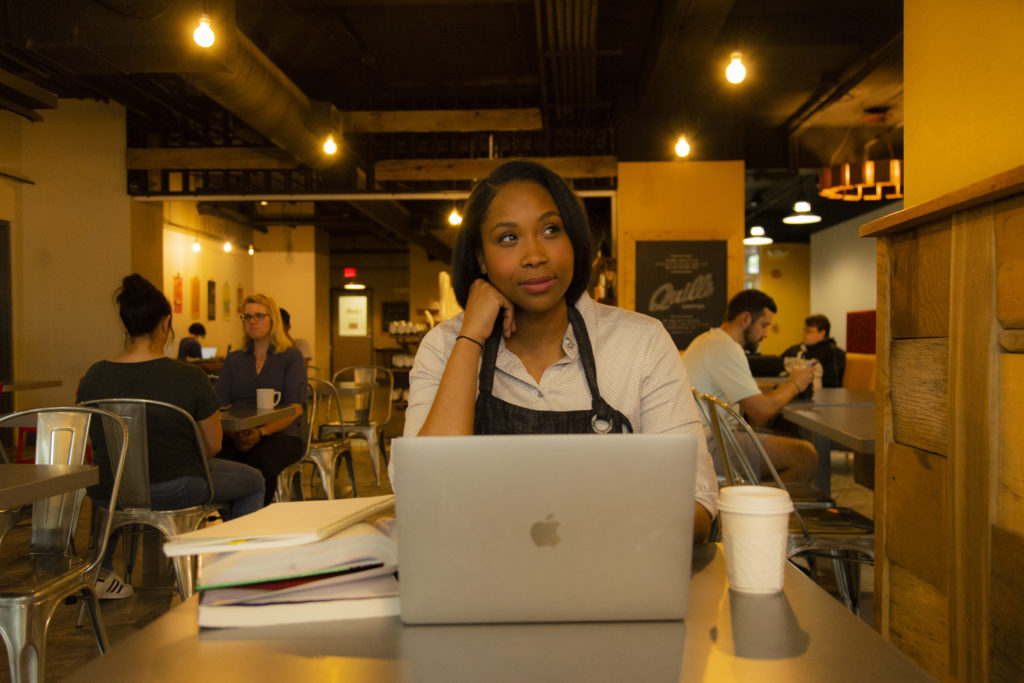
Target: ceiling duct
(118, 37)
(253, 88)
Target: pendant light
(757, 237)
(802, 213)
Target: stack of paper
(295, 563)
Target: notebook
(544, 528)
(209, 352)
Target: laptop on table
(544, 528)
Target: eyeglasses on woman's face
(258, 317)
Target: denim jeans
(233, 482)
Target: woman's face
(526, 252)
(256, 321)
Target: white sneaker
(113, 587)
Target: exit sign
(350, 272)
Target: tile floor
(70, 647)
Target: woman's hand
(483, 306)
(244, 440)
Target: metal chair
(28, 598)
(366, 407)
(838, 534)
(324, 451)
(135, 506)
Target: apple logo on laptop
(545, 532)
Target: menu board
(682, 284)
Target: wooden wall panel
(1005, 625)
(920, 282)
(1010, 262)
(919, 621)
(1010, 468)
(919, 393)
(916, 523)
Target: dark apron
(494, 416)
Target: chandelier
(863, 180)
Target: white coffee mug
(267, 399)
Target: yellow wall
(786, 277)
(688, 200)
(71, 241)
(211, 263)
(964, 93)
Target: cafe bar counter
(802, 634)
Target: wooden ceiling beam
(475, 169)
(441, 121)
(394, 217)
(208, 158)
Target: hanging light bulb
(454, 218)
(227, 246)
(203, 35)
(757, 237)
(251, 250)
(735, 72)
(195, 246)
(330, 146)
(682, 147)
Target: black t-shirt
(189, 348)
(172, 449)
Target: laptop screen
(209, 352)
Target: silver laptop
(544, 528)
(208, 352)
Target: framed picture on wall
(393, 311)
(194, 302)
(225, 303)
(179, 294)
(682, 284)
(353, 315)
(211, 299)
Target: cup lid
(754, 499)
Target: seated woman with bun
(142, 370)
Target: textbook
(350, 575)
(345, 556)
(362, 599)
(279, 525)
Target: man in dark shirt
(821, 347)
(190, 346)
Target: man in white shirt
(717, 364)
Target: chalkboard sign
(682, 284)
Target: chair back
(61, 435)
(134, 411)
(365, 393)
(734, 439)
(326, 410)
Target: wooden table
(803, 634)
(25, 384)
(22, 484)
(852, 426)
(241, 417)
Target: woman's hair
(469, 246)
(197, 329)
(141, 305)
(277, 336)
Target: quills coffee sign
(682, 284)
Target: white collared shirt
(639, 373)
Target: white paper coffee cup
(755, 529)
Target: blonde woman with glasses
(267, 360)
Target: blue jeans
(235, 483)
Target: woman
(267, 360)
(143, 371)
(529, 331)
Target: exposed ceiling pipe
(253, 88)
